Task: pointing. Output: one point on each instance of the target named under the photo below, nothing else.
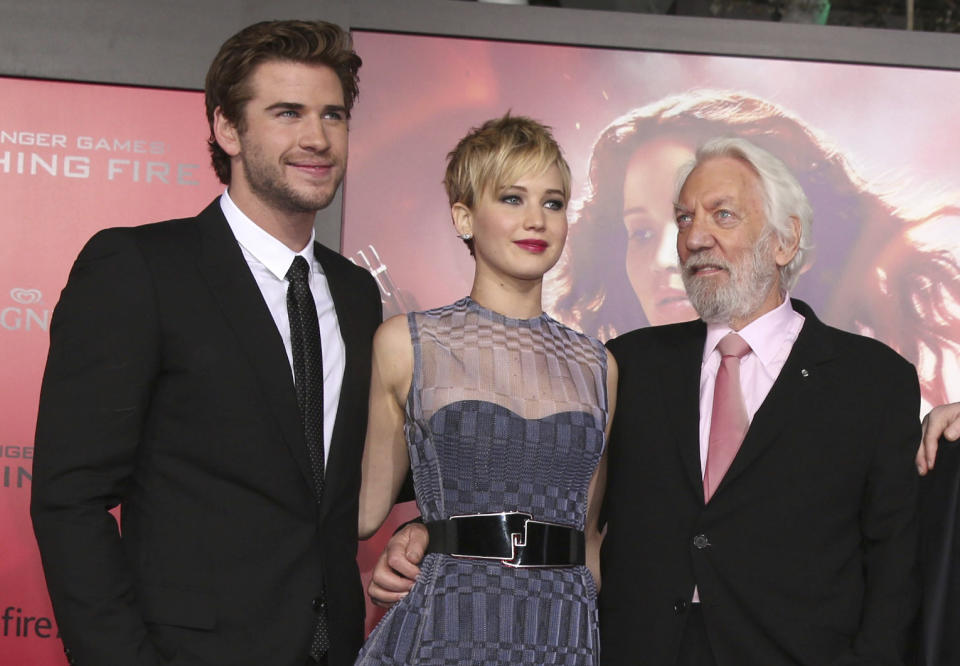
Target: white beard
(743, 294)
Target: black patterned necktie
(308, 377)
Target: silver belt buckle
(517, 540)
(521, 540)
(513, 536)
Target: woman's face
(648, 191)
(519, 230)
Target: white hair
(783, 198)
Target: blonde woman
(501, 412)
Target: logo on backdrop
(16, 464)
(17, 622)
(27, 313)
(51, 154)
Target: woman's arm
(385, 459)
(598, 484)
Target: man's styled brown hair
(228, 79)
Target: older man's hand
(941, 421)
(397, 569)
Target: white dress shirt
(269, 260)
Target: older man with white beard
(761, 494)
(761, 497)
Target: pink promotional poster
(874, 148)
(74, 158)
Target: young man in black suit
(760, 503)
(210, 376)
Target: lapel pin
(804, 373)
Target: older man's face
(727, 251)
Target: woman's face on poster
(651, 257)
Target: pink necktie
(728, 424)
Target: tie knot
(299, 270)
(733, 345)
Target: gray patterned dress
(503, 415)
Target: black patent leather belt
(514, 538)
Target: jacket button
(680, 607)
(318, 604)
(701, 541)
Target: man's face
(729, 256)
(292, 153)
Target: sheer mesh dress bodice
(503, 415)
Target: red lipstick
(532, 245)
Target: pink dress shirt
(771, 338)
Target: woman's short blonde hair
(496, 154)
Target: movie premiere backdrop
(874, 146)
(74, 158)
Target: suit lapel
(680, 376)
(339, 284)
(235, 289)
(798, 379)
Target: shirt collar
(274, 255)
(765, 334)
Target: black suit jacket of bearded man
(168, 392)
(806, 552)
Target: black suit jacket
(939, 642)
(806, 552)
(168, 392)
